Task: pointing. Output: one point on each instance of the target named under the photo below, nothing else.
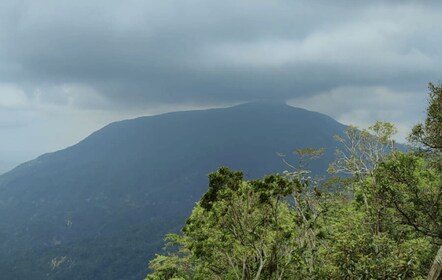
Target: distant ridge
(99, 209)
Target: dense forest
(378, 216)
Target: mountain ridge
(140, 172)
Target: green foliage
(219, 183)
(280, 228)
(429, 133)
(382, 220)
(175, 264)
(428, 137)
(250, 231)
(354, 252)
(413, 189)
(363, 152)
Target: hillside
(99, 209)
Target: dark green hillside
(104, 203)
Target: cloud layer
(64, 59)
(173, 51)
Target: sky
(67, 68)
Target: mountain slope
(132, 181)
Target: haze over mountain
(68, 68)
(99, 209)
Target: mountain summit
(99, 209)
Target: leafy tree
(413, 189)
(363, 151)
(354, 252)
(280, 228)
(310, 205)
(400, 193)
(245, 230)
(429, 134)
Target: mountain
(99, 209)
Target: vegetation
(381, 219)
(429, 133)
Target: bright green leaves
(176, 265)
(355, 253)
(279, 228)
(240, 230)
(414, 190)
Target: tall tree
(361, 153)
(239, 230)
(414, 190)
(429, 133)
(259, 229)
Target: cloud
(68, 67)
(363, 106)
(12, 96)
(138, 52)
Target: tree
(354, 252)
(239, 230)
(362, 152)
(413, 189)
(278, 227)
(429, 133)
(397, 189)
(436, 268)
(261, 229)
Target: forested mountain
(99, 209)
(380, 218)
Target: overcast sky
(68, 68)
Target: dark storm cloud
(134, 52)
(68, 68)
